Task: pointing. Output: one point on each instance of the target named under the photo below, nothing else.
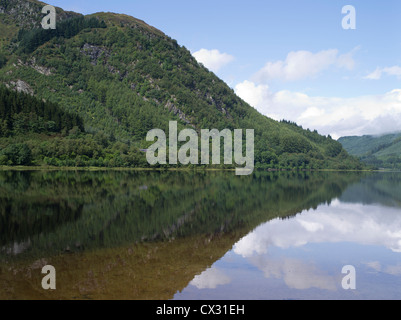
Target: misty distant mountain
(379, 151)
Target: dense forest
(30, 40)
(123, 78)
(22, 113)
(377, 151)
(34, 132)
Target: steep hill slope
(124, 78)
(379, 151)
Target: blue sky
(291, 58)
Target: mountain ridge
(125, 78)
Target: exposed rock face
(22, 86)
(28, 14)
(173, 109)
(32, 63)
(42, 70)
(94, 52)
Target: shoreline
(51, 168)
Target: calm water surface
(181, 235)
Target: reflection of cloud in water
(394, 270)
(210, 279)
(339, 222)
(295, 273)
(375, 265)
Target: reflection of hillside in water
(376, 188)
(306, 253)
(171, 225)
(57, 210)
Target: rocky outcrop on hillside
(28, 14)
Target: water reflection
(165, 235)
(338, 222)
(302, 257)
(210, 279)
(77, 211)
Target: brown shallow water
(149, 271)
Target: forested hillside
(123, 78)
(378, 151)
(34, 132)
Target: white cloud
(378, 73)
(210, 279)
(347, 61)
(375, 75)
(373, 114)
(255, 95)
(213, 59)
(305, 64)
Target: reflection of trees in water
(86, 210)
(20, 220)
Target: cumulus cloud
(390, 71)
(304, 64)
(255, 95)
(372, 114)
(213, 59)
(375, 75)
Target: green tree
(3, 60)
(17, 154)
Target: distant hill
(378, 151)
(123, 78)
